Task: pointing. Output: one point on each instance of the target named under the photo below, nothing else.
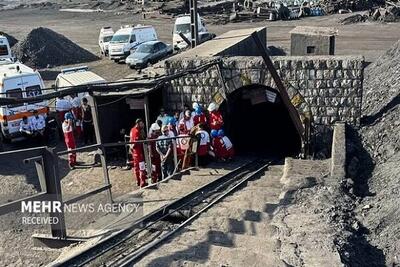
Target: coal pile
(381, 121)
(11, 40)
(381, 140)
(43, 48)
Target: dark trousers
(88, 132)
(167, 167)
(204, 160)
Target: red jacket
(197, 119)
(135, 135)
(218, 146)
(216, 121)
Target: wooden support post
(54, 193)
(146, 146)
(147, 113)
(95, 115)
(194, 23)
(281, 88)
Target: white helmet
(155, 127)
(195, 105)
(212, 107)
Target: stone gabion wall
(330, 85)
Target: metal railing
(46, 162)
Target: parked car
(149, 52)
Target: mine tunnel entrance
(258, 122)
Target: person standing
(62, 106)
(25, 128)
(199, 117)
(228, 150)
(163, 117)
(183, 144)
(68, 130)
(38, 125)
(215, 120)
(87, 122)
(139, 165)
(187, 122)
(204, 145)
(164, 148)
(77, 112)
(217, 145)
(155, 157)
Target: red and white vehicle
(18, 81)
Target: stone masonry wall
(330, 85)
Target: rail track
(128, 246)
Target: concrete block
(319, 74)
(339, 74)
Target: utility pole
(194, 26)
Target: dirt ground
(367, 39)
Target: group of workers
(183, 129)
(75, 122)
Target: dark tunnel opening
(259, 123)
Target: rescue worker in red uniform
(199, 116)
(227, 147)
(77, 112)
(183, 146)
(139, 165)
(68, 130)
(154, 133)
(187, 122)
(203, 150)
(217, 145)
(215, 119)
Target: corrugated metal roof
(80, 78)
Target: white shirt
(66, 128)
(76, 102)
(38, 123)
(188, 123)
(227, 143)
(63, 105)
(24, 127)
(204, 137)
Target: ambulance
(18, 81)
(5, 51)
(128, 38)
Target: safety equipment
(195, 105)
(214, 133)
(221, 133)
(68, 116)
(212, 107)
(198, 110)
(155, 127)
(171, 120)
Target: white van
(19, 81)
(77, 76)
(5, 51)
(182, 25)
(105, 36)
(128, 38)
